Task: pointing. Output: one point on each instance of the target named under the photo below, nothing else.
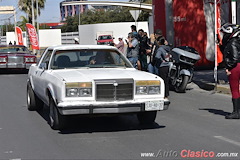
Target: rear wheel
(147, 117)
(33, 102)
(57, 121)
(181, 84)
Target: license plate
(154, 105)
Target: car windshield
(13, 49)
(90, 58)
(104, 37)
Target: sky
(51, 12)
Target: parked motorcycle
(182, 67)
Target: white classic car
(92, 79)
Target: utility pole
(79, 23)
(33, 23)
(38, 52)
(33, 17)
(37, 16)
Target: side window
(47, 57)
(116, 58)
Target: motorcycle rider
(231, 49)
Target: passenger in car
(63, 61)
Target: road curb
(221, 88)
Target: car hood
(77, 75)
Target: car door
(39, 76)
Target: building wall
(88, 33)
(47, 37)
(190, 23)
(71, 10)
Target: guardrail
(68, 37)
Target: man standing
(76, 40)
(134, 31)
(152, 53)
(143, 45)
(133, 49)
(120, 45)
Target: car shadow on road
(13, 71)
(113, 123)
(204, 85)
(215, 111)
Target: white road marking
(8, 152)
(227, 140)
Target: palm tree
(26, 6)
(22, 24)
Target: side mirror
(43, 66)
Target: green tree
(26, 6)
(7, 27)
(22, 24)
(120, 14)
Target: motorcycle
(181, 67)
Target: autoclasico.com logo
(188, 154)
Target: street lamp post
(234, 13)
(79, 22)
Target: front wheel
(33, 102)
(57, 121)
(147, 117)
(181, 84)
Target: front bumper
(15, 65)
(76, 108)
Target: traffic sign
(135, 14)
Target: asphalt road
(194, 125)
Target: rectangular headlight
(154, 90)
(3, 59)
(85, 92)
(148, 87)
(71, 92)
(79, 89)
(141, 90)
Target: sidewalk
(204, 79)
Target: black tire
(33, 102)
(181, 86)
(57, 121)
(147, 117)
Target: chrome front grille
(114, 90)
(15, 59)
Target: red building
(191, 23)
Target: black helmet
(232, 30)
(229, 31)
